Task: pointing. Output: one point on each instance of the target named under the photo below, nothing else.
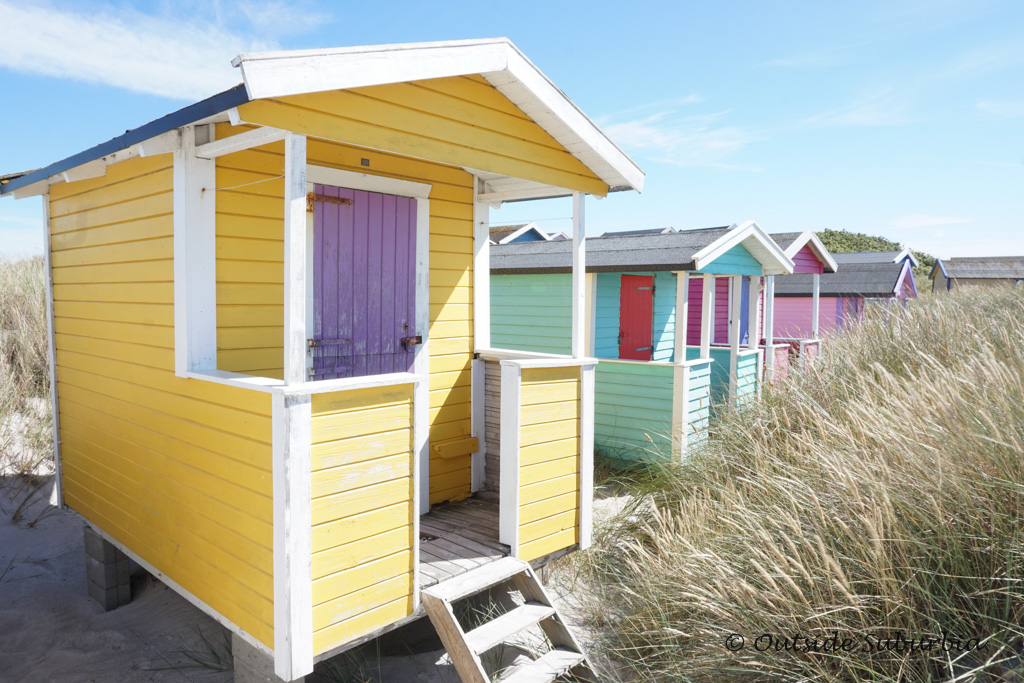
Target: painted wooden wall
(362, 512)
(793, 316)
(806, 261)
(606, 322)
(532, 312)
(633, 410)
(608, 314)
(550, 461)
(243, 263)
(746, 377)
(698, 404)
(462, 121)
(177, 470)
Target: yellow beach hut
(270, 388)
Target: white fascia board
(824, 255)
(278, 74)
(906, 253)
(762, 247)
(237, 143)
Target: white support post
(481, 333)
(769, 326)
(478, 462)
(734, 335)
(51, 337)
(294, 259)
(707, 323)
(293, 582)
(508, 495)
(195, 259)
(579, 259)
(815, 306)
(753, 330)
(586, 482)
(680, 373)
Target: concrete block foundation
(107, 572)
(253, 665)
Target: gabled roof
(510, 233)
(648, 231)
(852, 279)
(876, 257)
(793, 242)
(277, 74)
(682, 250)
(982, 267)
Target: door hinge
(313, 197)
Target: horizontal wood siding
(698, 404)
(532, 312)
(721, 364)
(362, 512)
(664, 328)
(633, 410)
(451, 279)
(722, 301)
(549, 461)
(793, 316)
(177, 470)
(735, 261)
(606, 324)
(806, 261)
(746, 377)
(462, 121)
(492, 425)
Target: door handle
(408, 342)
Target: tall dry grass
(879, 493)
(25, 437)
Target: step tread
(547, 668)
(486, 636)
(477, 580)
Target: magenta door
(364, 283)
(636, 317)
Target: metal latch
(314, 197)
(411, 341)
(313, 343)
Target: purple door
(364, 283)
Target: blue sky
(903, 119)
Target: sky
(900, 118)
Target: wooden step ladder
(566, 655)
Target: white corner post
(294, 258)
(481, 335)
(195, 258)
(707, 314)
(681, 373)
(293, 581)
(586, 483)
(51, 337)
(734, 335)
(508, 494)
(769, 327)
(579, 288)
(815, 309)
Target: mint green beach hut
(654, 390)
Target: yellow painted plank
(451, 430)
(136, 209)
(255, 362)
(130, 231)
(548, 375)
(552, 450)
(143, 250)
(337, 480)
(548, 526)
(138, 354)
(362, 576)
(363, 624)
(440, 397)
(547, 471)
(546, 508)
(474, 89)
(148, 335)
(550, 488)
(138, 292)
(531, 435)
(360, 500)
(449, 310)
(125, 171)
(449, 480)
(342, 452)
(230, 293)
(251, 227)
(547, 545)
(361, 551)
(268, 337)
(360, 399)
(148, 271)
(248, 249)
(377, 420)
(259, 315)
(447, 347)
(212, 470)
(144, 185)
(549, 412)
(344, 530)
(360, 601)
(546, 393)
(310, 117)
(147, 314)
(451, 363)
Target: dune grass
(25, 436)
(878, 495)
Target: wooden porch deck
(458, 537)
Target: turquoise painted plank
(736, 261)
(633, 408)
(606, 328)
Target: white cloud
(179, 57)
(919, 220)
(1007, 109)
(670, 136)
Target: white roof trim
(773, 260)
(809, 237)
(904, 254)
(278, 74)
(524, 229)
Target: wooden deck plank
(458, 537)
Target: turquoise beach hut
(654, 390)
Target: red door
(636, 317)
